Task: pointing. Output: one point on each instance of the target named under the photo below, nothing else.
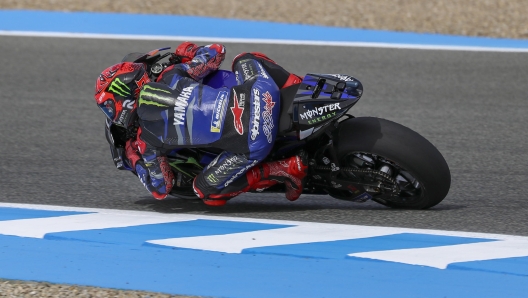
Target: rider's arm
(206, 60)
(151, 167)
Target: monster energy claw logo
(149, 93)
(119, 88)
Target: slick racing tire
(418, 169)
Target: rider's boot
(290, 171)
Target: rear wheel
(396, 166)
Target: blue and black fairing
(321, 98)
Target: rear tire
(403, 147)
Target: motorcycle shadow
(251, 204)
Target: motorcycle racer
(177, 111)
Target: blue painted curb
(122, 257)
(172, 25)
(213, 274)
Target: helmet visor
(108, 107)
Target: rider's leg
(223, 178)
(228, 176)
(231, 174)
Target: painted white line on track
(263, 41)
(236, 243)
(441, 256)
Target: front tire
(406, 152)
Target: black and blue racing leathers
(177, 111)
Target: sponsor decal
(246, 71)
(242, 171)
(142, 174)
(322, 118)
(238, 78)
(129, 104)
(212, 178)
(122, 116)
(219, 112)
(267, 116)
(362, 198)
(181, 104)
(118, 87)
(227, 164)
(262, 71)
(320, 111)
(101, 97)
(212, 163)
(147, 91)
(238, 109)
(256, 114)
(343, 77)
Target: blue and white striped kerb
(238, 257)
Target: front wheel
(394, 165)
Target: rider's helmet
(117, 89)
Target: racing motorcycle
(349, 158)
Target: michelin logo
(219, 112)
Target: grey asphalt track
(471, 105)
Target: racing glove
(186, 51)
(206, 60)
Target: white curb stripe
(236, 243)
(442, 256)
(263, 41)
(39, 227)
(507, 246)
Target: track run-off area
(68, 216)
